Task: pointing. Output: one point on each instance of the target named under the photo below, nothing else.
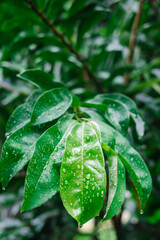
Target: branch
(69, 46)
(134, 37)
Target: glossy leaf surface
(40, 79)
(117, 183)
(20, 117)
(17, 151)
(115, 112)
(83, 177)
(42, 179)
(131, 106)
(131, 159)
(51, 105)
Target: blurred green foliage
(100, 30)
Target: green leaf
(20, 117)
(34, 95)
(131, 159)
(17, 151)
(93, 114)
(115, 112)
(42, 179)
(75, 101)
(117, 183)
(132, 108)
(76, 7)
(83, 177)
(40, 79)
(51, 105)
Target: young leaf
(132, 108)
(83, 177)
(131, 159)
(20, 117)
(117, 183)
(51, 105)
(42, 179)
(115, 112)
(40, 79)
(17, 151)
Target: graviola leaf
(115, 112)
(83, 176)
(117, 183)
(131, 159)
(40, 79)
(17, 151)
(20, 117)
(51, 105)
(42, 179)
(132, 108)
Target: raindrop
(64, 170)
(141, 212)
(66, 182)
(88, 176)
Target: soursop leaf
(51, 105)
(132, 109)
(43, 174)
(130, 158)
(83, 176)
(117, 183)
(115, 112)
(17, 151)
(40, 79)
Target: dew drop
(88, 176)
(78, 166)
(141, 212)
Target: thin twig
(134, 37)
(69, 46)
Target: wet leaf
(42, 179)
(17, 151)
(132, 108)
(51, 105)
(20, 117)
(115, 112)
(40, 79)
(83, 177)
(117, 183)
(131, 159)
